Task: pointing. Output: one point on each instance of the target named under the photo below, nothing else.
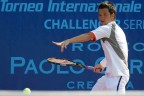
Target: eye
(100, 15)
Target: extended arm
(80, 38)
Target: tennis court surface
(68, 93)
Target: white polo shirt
(115, 48)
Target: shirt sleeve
(103, 62)
(101, 32)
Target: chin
(103, 24)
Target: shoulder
(103, 28)
(107, 27)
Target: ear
(113, 16)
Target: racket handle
(91, 68)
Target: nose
(101, 18)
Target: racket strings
(61, 61)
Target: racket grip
(89, 67)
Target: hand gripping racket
(66, 62)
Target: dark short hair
(109, 5)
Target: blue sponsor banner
(27, 29)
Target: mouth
(102, 22)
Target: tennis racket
(66, 62)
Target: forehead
(103, 10)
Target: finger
(66, 43)
(56, 43)
(62, 47)
(97, 70)
(65, 46)
(100, 69)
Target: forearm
(81, 38)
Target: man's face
(105, 17)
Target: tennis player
(115, 49)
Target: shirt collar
(112, 22)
